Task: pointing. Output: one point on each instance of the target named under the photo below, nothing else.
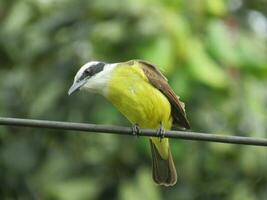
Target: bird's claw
(161, 132)
(135, 130)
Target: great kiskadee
(142, 94)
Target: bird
(142, 94)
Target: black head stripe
(97, 68)
(92, 70)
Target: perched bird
(142, 94)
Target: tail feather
(164, 172)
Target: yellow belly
(141, 103)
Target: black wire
(185, 135)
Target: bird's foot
(136, 130)
(161, 132)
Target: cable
(94, 128)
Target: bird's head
(93, 76)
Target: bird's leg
(136, 130)
(161, 131)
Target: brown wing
(158, 80)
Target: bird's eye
(88, 71)
(92, 70)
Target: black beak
(76, 86)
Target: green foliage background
(214, 53)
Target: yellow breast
(140, 102)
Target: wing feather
(159, 81)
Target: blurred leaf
(253, 51)
(160, 52)
(223, 43)
(18, 17)
(242, 191)
(203, 68)
(45, 99)
(111, 31)
(217, 7)
(80, 188)
(141, 188)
